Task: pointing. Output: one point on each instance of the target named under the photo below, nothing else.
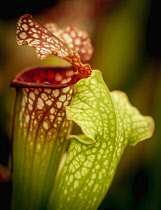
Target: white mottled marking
(52, 110)
(35, 35)
(56, 93)
(25, 27)
(65, 90)
(45, 125)
(44, 96)
(32, 96)
(33, 29)
(62, 98)
(30, 107)
(77, 41)
(73, 34)
(58, 77)
(40, 103)
(23, 35)
(59, 104)
(49, 102)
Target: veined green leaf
(137, 126)
(110, 120)
(82, 138)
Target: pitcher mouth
(45, 77)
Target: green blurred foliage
(119, 35)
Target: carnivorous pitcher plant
(53, 169)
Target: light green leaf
(82, 138)
(139, 127)
(92, 108)
(110, 120)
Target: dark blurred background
(126, 35)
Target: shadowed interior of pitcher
(47, 77)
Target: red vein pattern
(30, 32)
(71, 44)
(44, 104)
(43, 110)
(76, 40)
(39, 141)
(40, 134)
